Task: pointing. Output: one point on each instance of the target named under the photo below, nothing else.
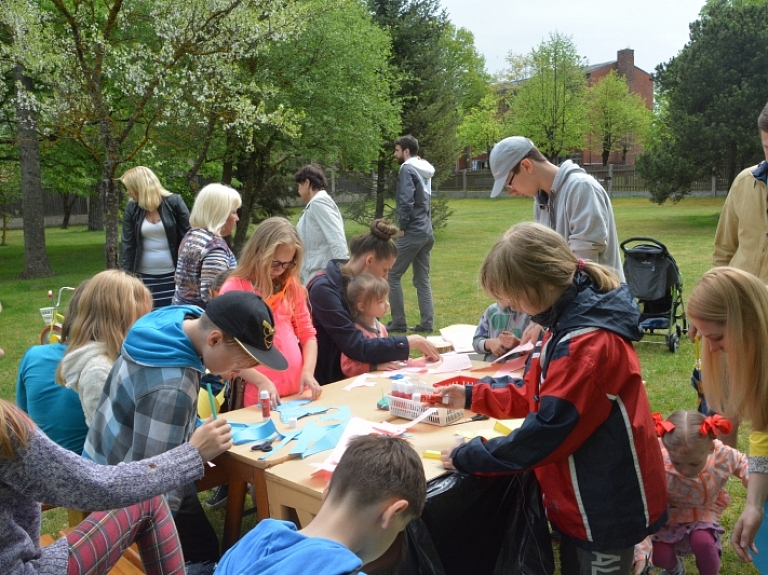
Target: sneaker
(219, 497)
(419, 329)
(395, 329)
(202, 568)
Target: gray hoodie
(580, 210)
(414, 188)
(85, 370)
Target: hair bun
(383, 230)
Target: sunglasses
(277, 264)
(508, 183)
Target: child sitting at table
(367, 297)
(499, 330)
(377, 488)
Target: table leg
(234, 517)
(260, 492)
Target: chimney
(625, 64)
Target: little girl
(698, 467)
(269, 266)
(367, 296)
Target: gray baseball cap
(506, 155)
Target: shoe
(394, 329)
(219, 497)
(202, 568)
(419, 329)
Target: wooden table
(283, 483)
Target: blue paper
(311, 433)
(761, 542)
(287, 436)
(343, 414)
(258, 432)
(327, 442)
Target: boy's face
(222, 359)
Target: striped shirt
(202, 256)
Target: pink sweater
(293, 328)
(351, 367)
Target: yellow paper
(204, 406)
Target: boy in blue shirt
(377, 488)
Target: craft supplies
(266, 407)
(210, 398)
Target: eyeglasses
(277, 264)
(508, 183)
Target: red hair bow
(662, 426)
(716, 424)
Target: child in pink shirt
(698, 467)
(269, 266)
(367, 296)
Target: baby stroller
(655, 280)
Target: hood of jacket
(425, 169)
(73, 364)
(158, 339)
(583, 306)
(275, 548)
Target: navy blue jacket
(336, 332)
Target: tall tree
(549, 106)
(616, 116)
(481, 126)
(713, 91)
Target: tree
(10, 192)
(713, 91)
(481, 127)
(549, 106)
(616, 116)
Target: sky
(655, 29)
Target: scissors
(265, 445)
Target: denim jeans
(412, 250)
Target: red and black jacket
(588, 432)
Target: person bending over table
(372, 252)
(729, 308)
(588, 431)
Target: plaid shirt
(144, 411)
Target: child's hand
(266, 384)
(455, 392)
(508, 340)
(445, 456)
(212, 438)
(532, 333)
(495, 346)
(308, 381)
(390, 365)
(424, 346)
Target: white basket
(47, 313)
(409, 409)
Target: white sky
(655, 29)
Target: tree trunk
(6, 217)
(96, 212)
(68, 201)
(111, 213)
(381, 190)
(35, 257)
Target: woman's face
(305, 191)
(283, 260)
(229, 225)
(713, 333)
(378, 268)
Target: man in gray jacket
(567, 199)
(415, 239)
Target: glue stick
(430, 398)
(266, 407)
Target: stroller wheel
(673, 342)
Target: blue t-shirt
(54, 408)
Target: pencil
(210, 398)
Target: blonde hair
(529, 260)
(109, 305)
(738, 301)
(143, 185)
(256, 258)
(363, 289)
(686, 437)
(15, 429)
(213, 205)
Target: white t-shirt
(155, 254)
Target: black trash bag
(480, 525)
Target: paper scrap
(257, 432)
(458, 362)
(460, 336)
(523, 349)
(360, 381)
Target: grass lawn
(686, 228)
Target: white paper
(457, 362)
(360, 381)
(522, 348)
(460, 336)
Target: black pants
(577, 561)
(198, 539)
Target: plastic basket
(47, 313)
(460, 379)
(409, 409)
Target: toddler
(500, 330)
(367, 297)
(698, 467)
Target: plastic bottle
(266, 405)
(430, 398)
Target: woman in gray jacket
(320, 226)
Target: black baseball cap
(244, 316)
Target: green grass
(686, 228)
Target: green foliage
(10, 193)
(481, 126)
(713, 91)
(549, 106)
(618, 118)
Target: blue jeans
(412, 250)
